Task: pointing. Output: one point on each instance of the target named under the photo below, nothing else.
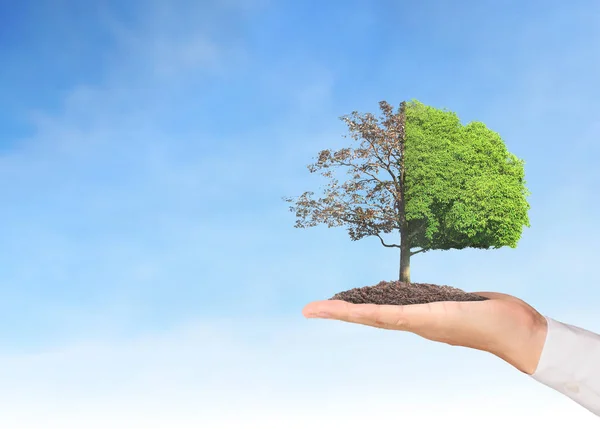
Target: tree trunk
(404, 261)
(404, 237)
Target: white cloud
(272, 373)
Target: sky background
(150, 273)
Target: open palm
(503, 325)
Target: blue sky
(146, 251)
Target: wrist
(530, 350)
(523, 349)
(539, 333)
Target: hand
(502, 325)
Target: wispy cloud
(151, 273)
(268, 374)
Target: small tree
(419, 171)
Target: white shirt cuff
(570, 364)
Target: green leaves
(461, 183)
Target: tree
(419, 171)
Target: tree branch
(361, 169)
(373, 177)
(418, 251)
(387, 245)
(387, 166)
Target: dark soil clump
(399, 293)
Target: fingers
(492, 295)
(381, 316)
(498, 295)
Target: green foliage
(462, 186)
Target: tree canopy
(441, 184)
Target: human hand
(502, 325)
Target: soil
(400, 293)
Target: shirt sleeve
(570, 364)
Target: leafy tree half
(419, 171)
